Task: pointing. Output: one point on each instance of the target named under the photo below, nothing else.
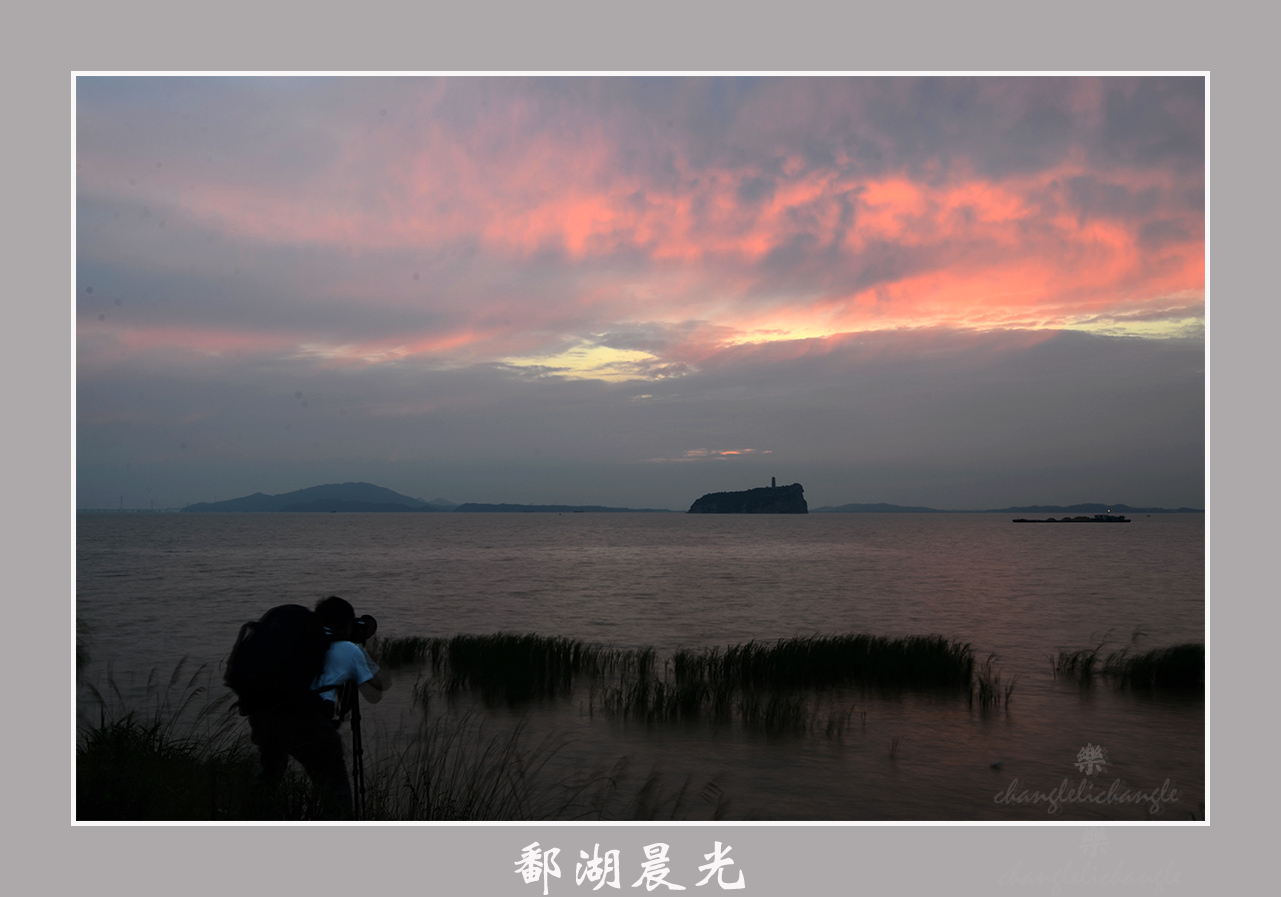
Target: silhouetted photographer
(290, 671)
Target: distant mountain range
(1090, 508)
(366, 497)
(331, 498)
(472, 507)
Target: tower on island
(771, 482)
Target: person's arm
(372, 689)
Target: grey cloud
(1154, 121)
(803, 265)
(260, 298)
(1093, 197)
(1162, 232)
(212, 127)
(653, 336)
(753, 190)
(189, 276)
(995, 125)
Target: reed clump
(1082, 665)
(770, 686)
(1180, 666)
(511, 667)
(642, 697)
(403, 651)
(181, 756)
(929, 661)
(1176, 667)
(514, 667)
(777, 712)
(764, 685)
(533, 665)
(988, 691)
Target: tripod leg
(357, 752)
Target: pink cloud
(522, 182)
(1023, 252)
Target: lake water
(154, 588)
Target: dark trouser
(308, 735)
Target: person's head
(336, 615)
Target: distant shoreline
(340, 498)
(478, 508)
(1091, 508)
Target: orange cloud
(779, 250)
(1029, 259)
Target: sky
(958, 292)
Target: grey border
(61, 38)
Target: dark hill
(334, 505)
(333, 497)
(765, 500)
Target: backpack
(276, 659)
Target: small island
(769, 499)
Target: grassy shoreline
(185, 754)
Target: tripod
(357, 751)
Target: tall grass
(506, 666)
(522, 666)
(402, 651)
(1179, 666)
(1086, 664)
(182, 755)
(929, 661)
(1176, 667)
(640, 696)
(652, 799)
(456, 769)
(1082, 665)
(988, 691)
(185, 755)
(771, 685)
(760, 684)
(777, 712)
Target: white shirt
(344, 662)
